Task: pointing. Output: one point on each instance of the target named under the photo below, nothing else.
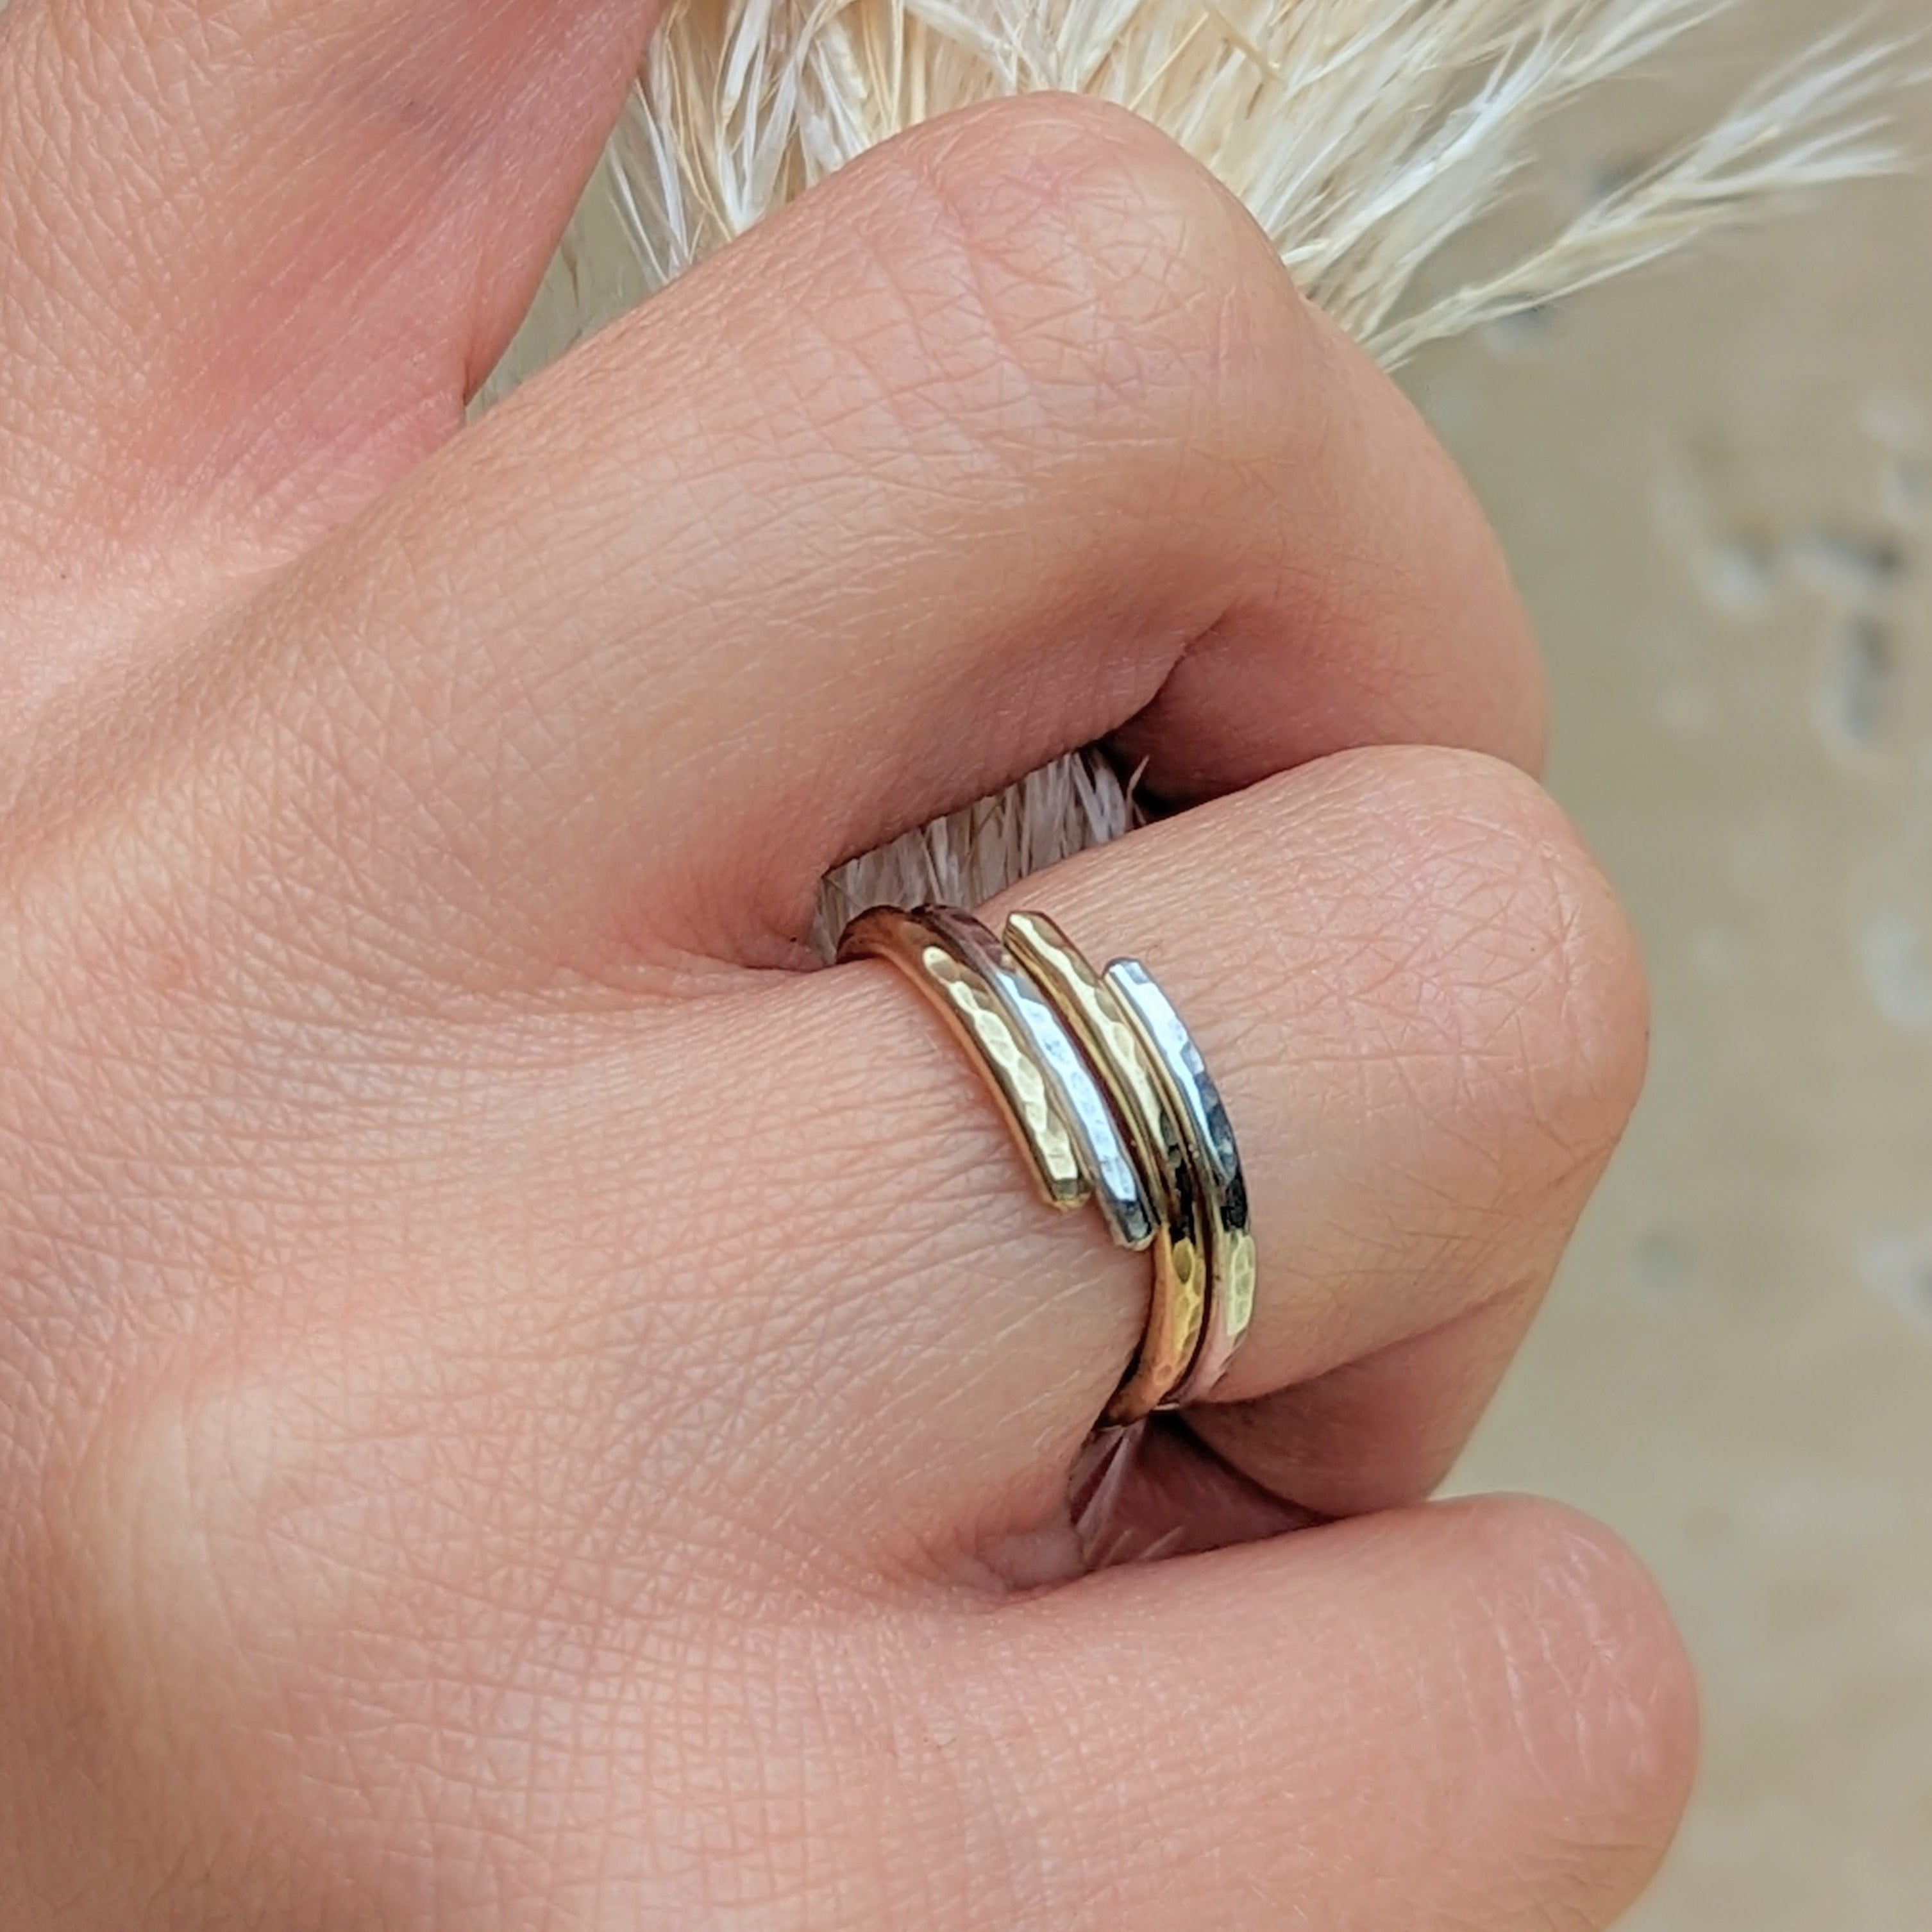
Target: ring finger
(1426, 1016)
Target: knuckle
(1581, 1658)
(1496, 949)
(1080, 257)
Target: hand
(524, 1409)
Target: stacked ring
(1106, 1094)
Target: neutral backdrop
(1715, 481)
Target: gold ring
(1105, 1091)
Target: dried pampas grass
(1364, 135)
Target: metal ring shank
(1120, 1192)
(1046, 1091)
(962, 997)
(1231, 1266)
(1177, 1304)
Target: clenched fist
(527, 1408)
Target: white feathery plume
(1364, 135)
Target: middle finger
(1012, 430)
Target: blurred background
(1715, 481)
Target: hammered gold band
(1105, 1093)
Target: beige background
(1716, 482)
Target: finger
(1469, 1715)
(1425, 1015)
(257, 257)
(943, 471)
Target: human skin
(526, 1407)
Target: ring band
(1098, 1147)
(1177, 1300)
(1230, 1255)
(1106, 1093)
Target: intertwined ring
(1107, 1096)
